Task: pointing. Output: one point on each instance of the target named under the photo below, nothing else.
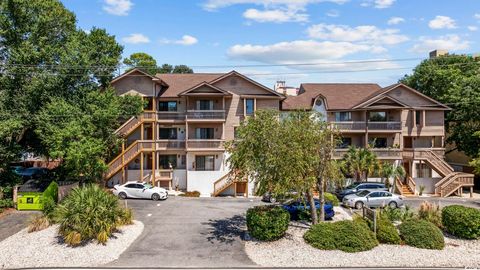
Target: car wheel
(272, 200)
(392, 204)
(155, 197)
(122, 195)
(359, 205)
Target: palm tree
(389, 170)
(360, 163)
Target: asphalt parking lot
(189, 232)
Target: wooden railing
(382, 153)
(357, 125)
(384, 125)
(453, 182)
(225, 181)
(121, 160)
(398, 185)
(128, 126)
(171, 115)
(170, 144)
(412, 185)
(204, 114)
(205, 144)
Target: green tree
(283, 155)
(53, 72)
(148, 64)
(360, 163)
(390, 171)
(453, 80)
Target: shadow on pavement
(226, 230)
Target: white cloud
(447, 42)
(442, 22)
(117, 7)
(298, 51)
(369, 34)
(277, 16)
(477, 16)
(277, 11)
(186, 40)
(395, 20)
(212, 5)
(472, 28)
(333, 13)
(380, 4)
(136, 38)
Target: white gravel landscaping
(292, 251)
(43, 249)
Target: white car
(372, 199)
(140, 190)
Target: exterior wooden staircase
(225, 182)
(133, 123)
(406, 189)
(129, 154)
(452, 181)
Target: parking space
(187, 232)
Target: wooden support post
(235, 187)
(141, 166)
(123, 161)
(471, 192)
(153, 168)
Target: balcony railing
(384, 125)
(356, 125)
(171, 115)
(201, 114)
(170, 144)
(205, 144)
(381, 153)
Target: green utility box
(32, 194)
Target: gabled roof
(387, 89)
(129, 73)
(133, 93)
(339, 96)
(216, 90)
(179, 83)
(233, 72)
(379, 99)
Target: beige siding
(138, 82)
(409, 97)
(217, 129)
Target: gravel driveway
(189, 232)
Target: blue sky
(374, 34)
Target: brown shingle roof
(181, 82)
(339, 96)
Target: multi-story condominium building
(178, 141)
(400, 124)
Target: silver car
(372, 199)
(140, 191)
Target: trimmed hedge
(331, 199)
(461, 221)
(421, 234)
(386, 232)
(267, 223)
(346, 235)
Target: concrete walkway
(13, 222)
(189, 232)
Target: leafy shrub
(6, 203)
(386, 232)
(191, 194)
(38, 223)
(461, 221)
(331, 199)
(346, 235)
(398, 214)
(430, 212)
(48, 206)
(89, 213)
(267, 223)
(421, 234)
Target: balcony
(372, 126)
(210, 115)
(381, 153)
(385, 126)
(200, 144)
(172, 116)
(170, 144)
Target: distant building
(282, 88)
(437, 53)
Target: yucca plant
(38, 223)
(90, 213)
(431, 212)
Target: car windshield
(352, 186)
(362, 193)
(148, 186)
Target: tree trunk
(321, 190)
(313, 209)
